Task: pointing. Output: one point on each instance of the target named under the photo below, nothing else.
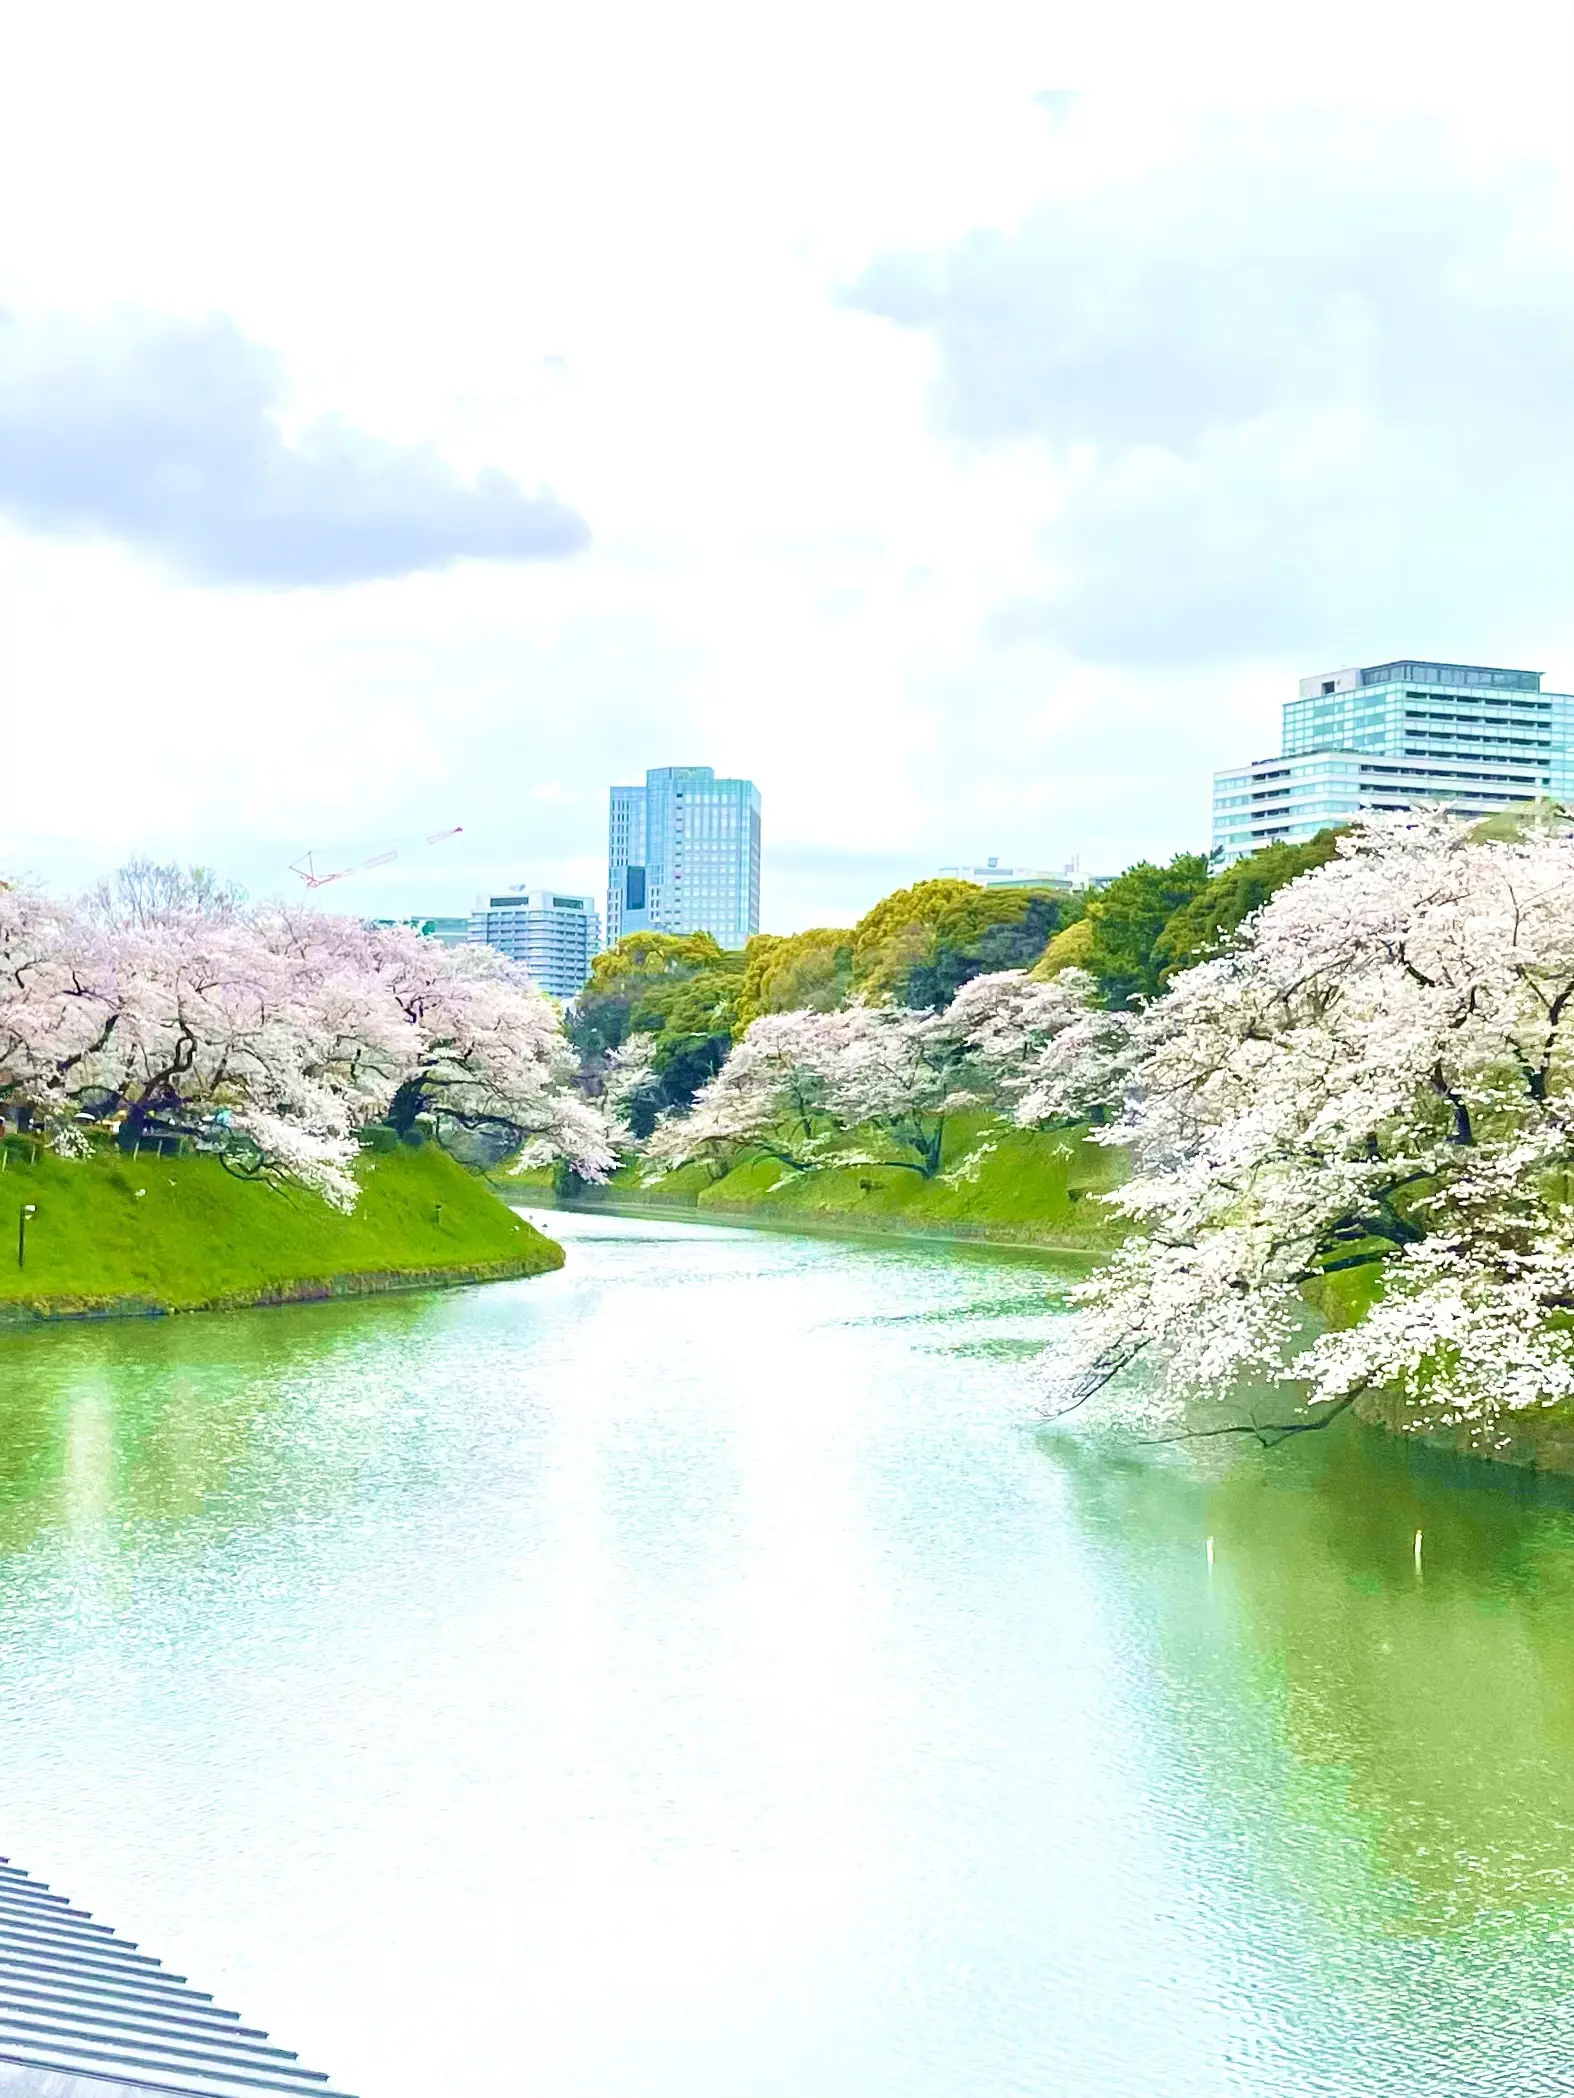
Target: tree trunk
(406, 1104)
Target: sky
(967, 423)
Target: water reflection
(1442, 1694)
(700, 1655)
(193, 1425)
(1427, 1709)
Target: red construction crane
(306, 867)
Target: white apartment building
(1475, 738)
(555, 936)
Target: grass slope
(1032, 1187)
(194, 1234)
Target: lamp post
(28, 1209)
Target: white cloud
(604, 251)
(1303, 386)
(167, 437)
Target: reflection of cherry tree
(1374, 1082)
(270, 1036)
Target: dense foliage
(1201, 926)
(798, 972)
(663, 1013)
(1343, 1079)
(694, 999)
(678, 990)
(1127, 922)
(164, 1009)
(1373, 1079)
(920, 945)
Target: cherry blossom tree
(1048, 1051)
(270, 1037)
(1364, 1106)
(798, 1081)
(485, 1051)
(628, 1080)
(772, 1095)
(902, 1075)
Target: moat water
(697, 1675)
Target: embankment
(112, 1236)
(998, 1183)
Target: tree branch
(1280, 1431)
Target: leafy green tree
(633, 986)
(1010, 943)
(920, 945)
(1198, 927)
(681, 988)
(801, 972)
(1128, 919)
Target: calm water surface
(694, 1676)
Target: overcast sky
(966, 422)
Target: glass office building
(683, 855)
(1477, 739)
(555, 936)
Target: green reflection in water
(573, 1601)
(1425, 1714)
(1442, 1695)
(192, 1428)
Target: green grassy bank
(118, 1235)
(1012, 1186)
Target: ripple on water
(695, 1672)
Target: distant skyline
(968, 430)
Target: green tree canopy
(1128, 918)
(634, 986)
(799, 972)
(920, 945)
(1198, 927)
(680, 987)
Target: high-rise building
(683, 855)
(555, 936)
(1477, 739)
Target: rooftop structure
(85, 2014)
(1475, 738)
(992, 875)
